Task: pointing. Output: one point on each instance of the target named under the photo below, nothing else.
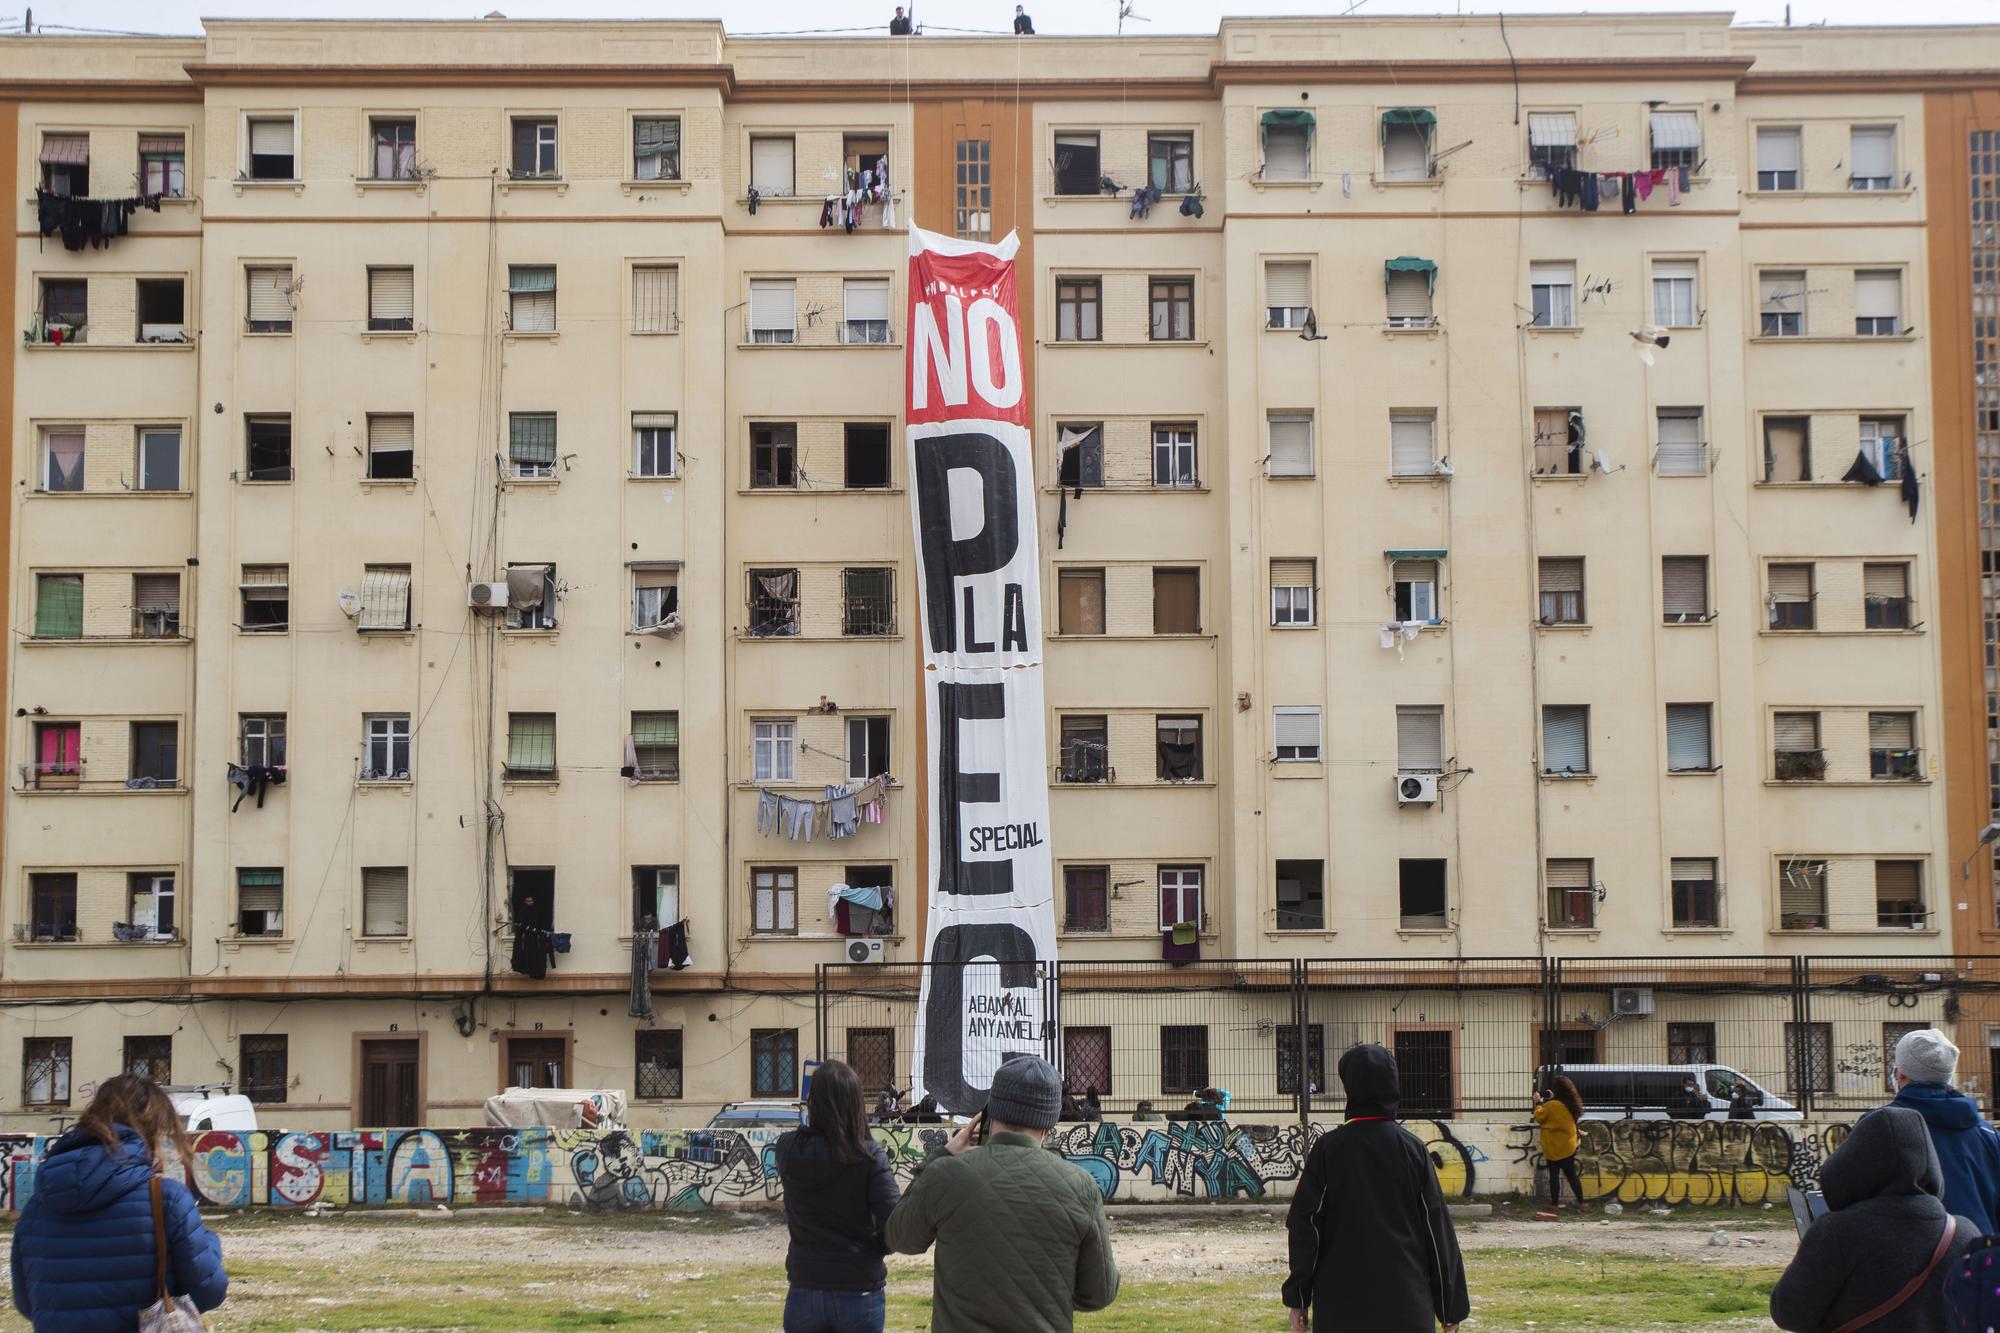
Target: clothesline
(839, 814)
(1587, 189)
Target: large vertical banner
(973, 502)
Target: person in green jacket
(1022, 1241)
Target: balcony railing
(1800, 765)
(53, 776)
(1889, 612)
(1896, 765)
(1802, 920)
(1792, 615)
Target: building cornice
(210, 75)
(37, 90)
(1869, 81)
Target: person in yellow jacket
(1557, 1110)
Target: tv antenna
(1125, 12)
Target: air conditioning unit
(486, 596)
(866, 951)
(1632, 1001)
(1416, 789)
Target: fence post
(819, 1012)
(1799, 1049)
(1052, 1017)
(1301, 1019)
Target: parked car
(759, 1115)
(214, 1108)
(1657, 1092)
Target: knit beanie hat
(1027, 1092)
(1926, 1056)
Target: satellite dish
(350, 603)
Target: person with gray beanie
(1022, 1240)
(1968, 1148)
(1881, 1256)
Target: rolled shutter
(1299, 727)
(1409, 296)
(392, 435)
(1878, 295)
(1892, 731)
(653, 420)
(1565, 739)
(1684, 269)
(1791, 583)
(1292, 573)
(1795, 731)
(1287, 285)
(532, 293)
(66, 150)
(270, 296)
(531, 437)
(1891, 581)
(1680, 431)
(385, 599)
(1406, 152)
(1414, 571)
(655, 298)
(157, 592)
(1568, 873)
(1565, 575)
(270, 138)
(1872, 152)
(867, 299)
(771, 165)
(1688, 747)
(1777, 150)
(391, 294)
(1412, 444)
(1898, 881)
(1419, 739)
(1693, 869)
(1684, 580)
(168, 144)
(1802, 890)
(1287, 152)
(771, 306)
(385, 900)
(1291, 446)
(1553, 130)
(1552, 275)
(1676, 129)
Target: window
(1406, 144)
(263, 740)
(1080, 601)
(656, 1055)
(162, 310)
(653, 444)
(656, 298)
(58, 755)
(1778, 158)
(1801, 895)
(1689, 748)
(1287, 294)
(656, 150)
(1173, 309)
(1787, 449)
(973, 211)
(534, 148)
(1572, 894)
(385, 599)
(865, 455)
(1892, 748)
(1412, 444)
(774, 900)
(159, 458)
(1076, 164)
(1808, 1057)
(656, 595)
(163, 165)
(1883, 441)
(1559, 438)
(1086, 1059)
(531, 298)
(270, 298)
(1899, 895)
(263, 1075)
(45, 1068)
(1409, 298)
(385, 747)
(268, 443)
(656, 896)
(149, 905)
(773, 454)
(865, 310)
(392, 300)
(65, 309)
(1085, 750)
(1696, 894)
(66, 164)
(531, 746)
(393, 146)
(867, 602)
(1286, 1038)
(1178, 749)
(1183, 1059)
(1791, 596)
(272, 142)
(1562, 590)
(656, 746)
(771, 750)
(1795, 747)
(771, 165)
(860, 152)
(1871, 154)
(531, 897)
(62, 459)
(1176, 601)
(1292, 585)
(392, 443)
(1415, 587)
(1566, 739)
(1781, 302)
(1295, 734)
(1676, 140)
(155, 754)
(1301, 895)
(1079, 310)
(771, 303)
(1551, 142)
(1291, 451)
(1681, 452)
(260, 902)
(531, 445)
(1080, 445)
(1878, 303)
(1174, 456)
(774, 603)
(1684, 588)
(1552, 295)
(1086, 899)
(1886, 597)
(1170, 162)
(59, 606)
(1675, 289)
(774, 1062)
(1691, 1043)
(1287, 145)
(385, 901)
(1420, 890)
(150, 1058)
(267, 598)
(156, 606)
(52, 906)
(1419, 738)
(867, 747)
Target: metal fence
(1468, 1033)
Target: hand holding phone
(970, 1134)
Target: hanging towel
(1863, 471)
(1673, 183)
(1588, 191)
(888, 210)
(674, 946)
(1909, 479)
(631, 762)
(1644, 181)
(826, 213)
(644, 943)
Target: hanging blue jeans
(809, 1311)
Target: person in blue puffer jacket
(1923, 1066)
(84, 1254)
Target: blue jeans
(809, 1311)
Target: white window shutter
(1872, 152)
(1412, 445)
(1688, 746)
(1693, 869)
(1552, 130)
(1291, 573)
(1287, 285)
(1885, 581)
(1676, 129)
(1878, 294)
(1297, 726)
(1791, 583)
(1568, 873)
(270, 295)
(771, 165)
(1409, 296)
(1777, 150)
(385, 599)
(392, 435)
(771, 304)
(867, 298)
(391, 293)
(1419, 739)
(1565, 739)
(385, 900)
(270, 138)
(1291, 446)
(1287, 153)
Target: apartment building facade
(464, 495)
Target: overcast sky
(1051, 16)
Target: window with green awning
(1406, 143)
(1287, 136)
(1411, 264)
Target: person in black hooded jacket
(838, 1196)
(1372, 1245)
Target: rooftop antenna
(1125, 12)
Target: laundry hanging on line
(838, 814)
(1587, 190)
(88, 223)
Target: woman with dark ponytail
(838, 1195)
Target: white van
(1659, 1092)
(203, 1108)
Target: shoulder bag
(1910, 1288)
(170, 1313)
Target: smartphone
(979, 1129)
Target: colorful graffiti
(1717, 1163)
(1185, 1159)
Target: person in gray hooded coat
(1884, 1238)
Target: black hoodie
(835, 1212)
(1372, 1245)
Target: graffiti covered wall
(1634, 1161)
